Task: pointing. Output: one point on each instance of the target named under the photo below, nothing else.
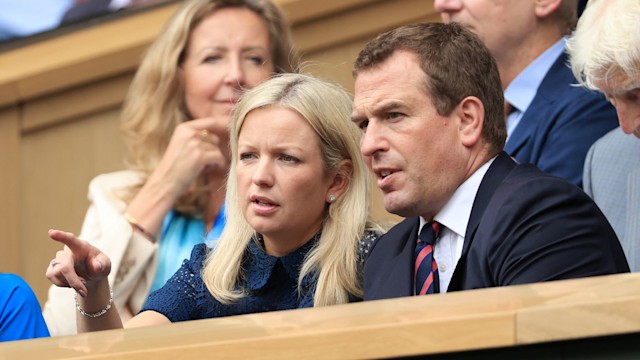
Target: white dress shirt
(454, 217)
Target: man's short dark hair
(456, 64)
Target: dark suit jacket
(561, 124)
(525, 226)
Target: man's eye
(633, 95)
(363, 124)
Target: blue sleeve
(177, 299)
(20, 314)
(582, 122)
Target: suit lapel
(545, 96)
(389, 267)
(498, 170)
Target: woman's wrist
(99, 296)
(97, 313)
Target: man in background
(550, 122)
(605, 56)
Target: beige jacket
(133, 257)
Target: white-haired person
(605, 56)
(297, 218)
(175, 122)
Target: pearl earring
(331, 198)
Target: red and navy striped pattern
(426, 269)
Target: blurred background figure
(27, 17)
(86, 9)
(605, 56)
(20, 314)
(175, 123)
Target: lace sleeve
(178, 298)
(365, 245)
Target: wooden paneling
(57, 165)
(366, 21)
(76, 103)
(9, 189)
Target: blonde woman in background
(175, 123)
(297, 229)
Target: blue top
(20, 314)
(271, 284)
(179, 234)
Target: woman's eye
(289, 159)
(211, 58)
(247, 156)
(257, 60)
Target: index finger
(68, 239)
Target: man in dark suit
(429, 101)
(551, 123)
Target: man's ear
(544, 8)
(471, 113)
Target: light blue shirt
(179, 234)
(524, 87)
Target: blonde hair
(154, 104)
(606, 41)
(333, 259)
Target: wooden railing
(546, 320)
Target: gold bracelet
(139, 227)
(95, 314)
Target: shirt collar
(259, 265)
(456, 212)
(523, 88)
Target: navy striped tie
(426, 269)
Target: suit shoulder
(528, 182)
(396, 236)
(116, 180)
(616, 143)
(113, 186)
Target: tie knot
(429, 233)
(508, 109)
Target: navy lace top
(271, 284)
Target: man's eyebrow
(381, 108)
(388, 106)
